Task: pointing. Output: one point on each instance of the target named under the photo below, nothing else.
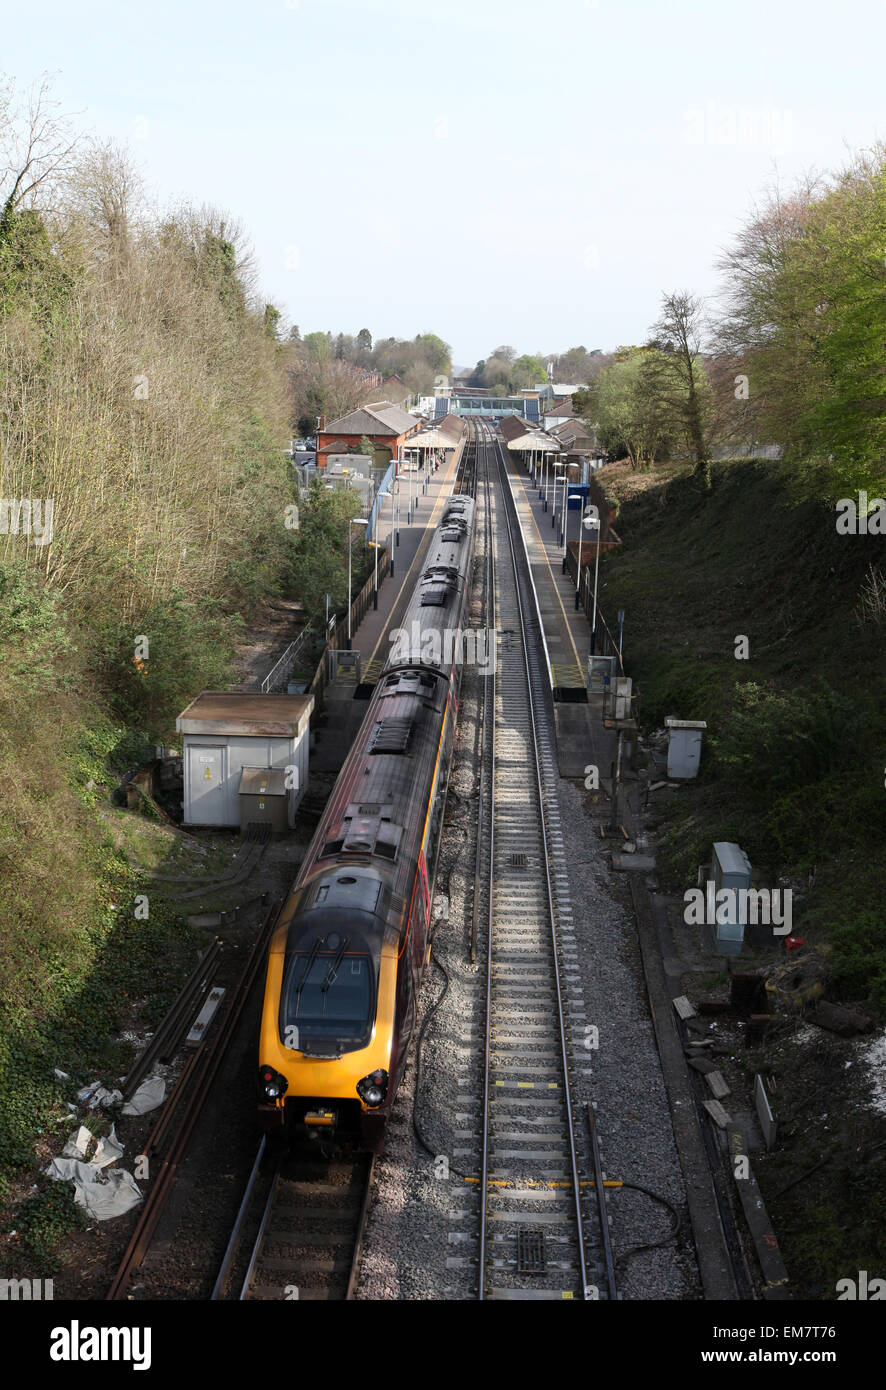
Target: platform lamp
(354, 521)
(573, 497)
(557, 463)
(391, 492)
(589, 522)
(374, 544)
(599, 529)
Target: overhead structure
(534, 441)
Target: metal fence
(279, 672)
(340, 636)
(605, 644)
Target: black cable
(663, 1240)
(435, 1153)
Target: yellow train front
(353, 937)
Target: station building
(386, 426)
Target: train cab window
(328, 994)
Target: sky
(493, 171)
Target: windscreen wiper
(306, 972)
(333, 969)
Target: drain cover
(531, 1257)
(517, 861)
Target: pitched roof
(378, 418)
(570, 430)
(512, 426)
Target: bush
(784, 739)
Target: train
(353, 937)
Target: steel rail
(600, 1192)
(279, 1184)
(210, 1060)
(234, 1238)
(489, 717)
(493, 447)
(361, 1231)
(561, 1020)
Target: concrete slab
(627, 862)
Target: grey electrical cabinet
(731, 871)
(263, 799)
(684, 746)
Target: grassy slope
(694, 573)
(796, 772)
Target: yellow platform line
(445, 494)
(544, 555)
(584, 1182)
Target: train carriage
(353, 937)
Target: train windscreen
(328, 996)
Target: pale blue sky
(490, 170)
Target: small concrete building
(224, 732)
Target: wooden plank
(717, 1113)
(717, 1083)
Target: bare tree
(678, 332)
(36, 146)
(105, 189)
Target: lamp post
(573, 497)
(375, 548)
(555, 464)
(598, 528)
(354, 521)
(391, 565)
(588, 521)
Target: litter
(107, 1150)
(61, 1075)
(78, 1143)
(150, 1094)
(103, 1098)
(103, 1195)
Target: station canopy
(535, 440)
(443, 434)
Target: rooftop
(245, 712)
(380, 417)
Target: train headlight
(373, 1088)
(271, 1083)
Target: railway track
(310, 1235)
(543, 1226)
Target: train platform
(343, 711)
(583, 740)
(371, 638)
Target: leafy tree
(807, 319)
(630, 409)
(364, 340)
(528, 371)
(271, 321)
